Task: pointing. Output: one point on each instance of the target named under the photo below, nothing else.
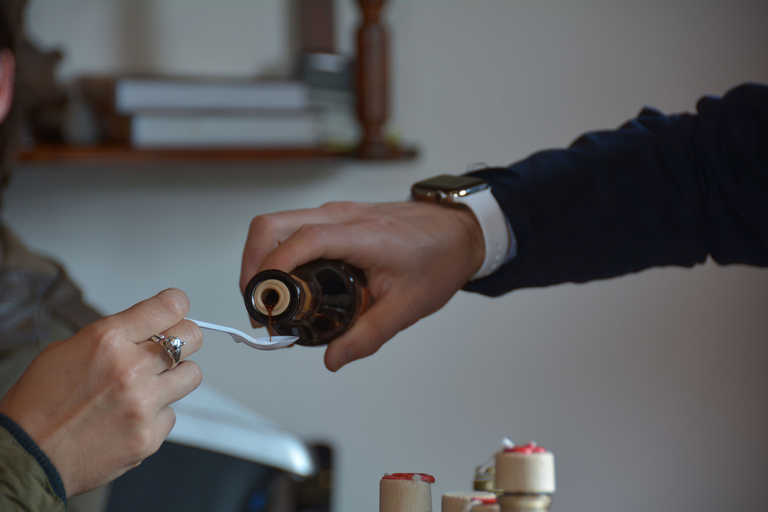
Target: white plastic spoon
(264, 343)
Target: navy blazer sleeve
(660, 190)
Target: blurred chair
(223, 457)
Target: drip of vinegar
(270, 299)
(270, 308)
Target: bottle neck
(524, 502)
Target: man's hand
(415, 255)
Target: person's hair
(8, 128)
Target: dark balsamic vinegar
(270, 308)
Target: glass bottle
(317, 302)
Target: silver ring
(172, 346)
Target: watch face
(447, 186)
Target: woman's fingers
(148, 317)
(186, 335)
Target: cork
(459, 501)
(487, 506)
(525, 469)
(406, 492)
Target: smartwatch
(474, 193)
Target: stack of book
(165, 112)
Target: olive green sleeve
(24, 484)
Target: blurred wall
(650, 389)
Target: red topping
(526, 449)
(486, 501)
(410, 476)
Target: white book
(134, 94)
(339, 119)
(241, 129)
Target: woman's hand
(97, 404)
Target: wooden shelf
(372, 109)
(118, 154)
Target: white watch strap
(494, 226)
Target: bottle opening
(270, 298)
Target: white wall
(650, 389)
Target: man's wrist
(475, 194)
(494, 228)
